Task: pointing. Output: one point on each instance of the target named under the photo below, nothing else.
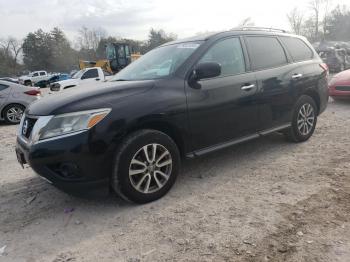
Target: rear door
(224, 108)
(4, 93)
(278, 80)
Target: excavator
(118, 56)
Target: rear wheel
(147, 164)
(13, 113)
(304, 120)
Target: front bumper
(74, 163)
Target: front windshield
(78, 74)
(158, 63)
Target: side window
(228, 53)
(92, 73)
(42, 73)
(36, 74)
(3, 87)
(297, 48)
(265, 52)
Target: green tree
(157, 38)
(37, 51)
(50, 51)
(63, 57)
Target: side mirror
(203, 71)
(207, 70)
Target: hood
(67, 82)
(87, 97)
(24, 77)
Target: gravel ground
(266, 200)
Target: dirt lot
(267, 200)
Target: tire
(13, 113)
(304, 131)
(28, 83)
(132, 180)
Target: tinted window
(35, 74)
(265, 52)
(42, 73)
(228, 53)
(3, 87)
(92, 73)
(297, 48)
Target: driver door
(223, 111)
(90, 75)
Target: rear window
(265, 52)
(297, 48)
(42, 73)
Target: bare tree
(246, 22)
(16, 49)
(89, 38)
(5, 46)
(295, 19)
(327, 4)
(10, 48)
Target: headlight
(72, 122)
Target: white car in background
(34, 77)
(85, 76)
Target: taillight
(324, 66)
(33, 92)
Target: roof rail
(257, 28)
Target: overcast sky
(134, 18)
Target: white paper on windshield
(188, 45)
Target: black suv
(185, 98)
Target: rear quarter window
(265, 52)
(3, 87)
(297, 48)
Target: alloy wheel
(150, 168)
(306, 119)
(14, 114)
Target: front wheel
(304, 120)
(147, 164)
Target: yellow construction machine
(118, 55)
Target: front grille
(342, 88)
(27, 126)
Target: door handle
(296, 76)
(247, 87)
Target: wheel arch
(315, 96)
(165, 127)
